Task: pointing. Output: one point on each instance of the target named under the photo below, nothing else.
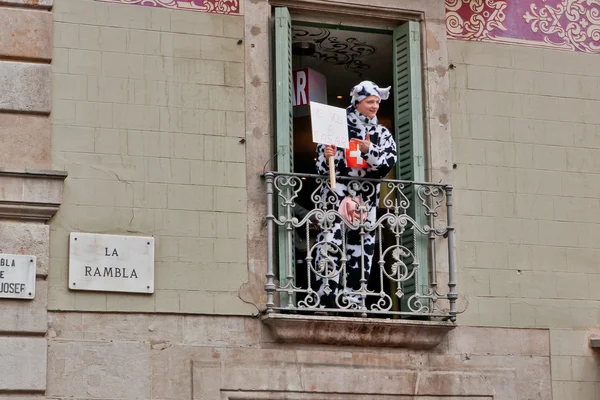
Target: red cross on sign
(354, 157)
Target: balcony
(326, 283)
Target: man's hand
(330, 150)
(363, 145)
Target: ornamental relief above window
(210, 6)
(560, 24)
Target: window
(408, 132)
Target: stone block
(158, 67)
(110, 141)
(86, 62)
(164, 170)
(150, 195)
(550, 158)
(208, 72)
(25, 87)
(196, 302)
(569, 390)
(166, 300)
(25, 141)
(236, 122)
(70, 87)
(99, 369)
(197, 23)
(585, 369)
(208, 224)
(188, 146)
(90, 301)
(26, 238)
(209, 122)
(522, 313)
(89, 37)
(490, 127)
(494, 311)
(186, 46)
(481, 77)
(523, 155)
(549, 258)
(217, 48)
(181, 362)
(23, 364)
(214, 331)
(534, 206)
(28, 3)
(224, 149)
(66, 35)
(92, 114)
(27, 33)
(233, 26)
(230, 303)
(481, 177)
(113, 39)
(477, 229)
(538, 182)
(59, 296)
(18, 316)
(230, 199)
(155, 93)
(122, 65)
(190, 197)
(226, 98)
(568, 342)
(149, 144)
(234, 74)
(176, 223)
(499, 204)
(111, 90)
(556, 233)
(78, 139)
(500, 154)
(467, 151)
(60, 60)
(171, 119)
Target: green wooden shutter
(409, 131)
(283, 90)
(283, 125)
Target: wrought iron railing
(412, 271)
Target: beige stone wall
(148, 116)
(27, 188)
(526, 140)
(109, 356)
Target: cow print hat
(366, 89)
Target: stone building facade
(155, 118)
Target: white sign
(17, 276)
(111, 263)
(329, 125)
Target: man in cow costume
(372, 154)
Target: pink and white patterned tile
(561, 24)
(232, 7)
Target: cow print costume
(376, 163)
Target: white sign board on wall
(111, 263)
(329, 125)
(17, 276)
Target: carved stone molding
(356, 331)
(32, 195)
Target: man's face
(369, 106)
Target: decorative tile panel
(210, 6)
(560, 24)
